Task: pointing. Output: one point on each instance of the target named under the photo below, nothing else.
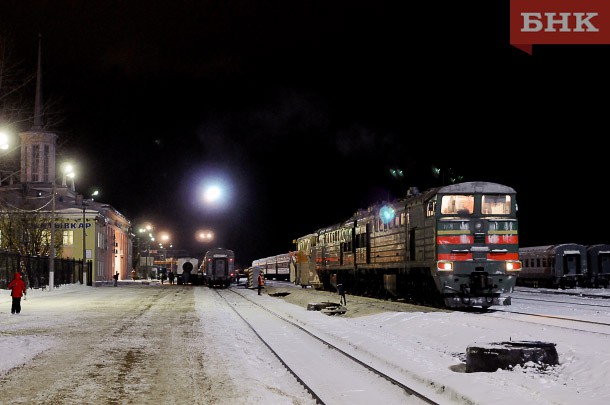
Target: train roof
(601, 247)
(545, 248)
(477, 187)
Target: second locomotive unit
(454, 246)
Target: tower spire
(38, 100)
(38, 144)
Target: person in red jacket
(261, 282)
(18, 290)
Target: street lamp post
(84, 245)
(164, 241)
(67, 171)
(148, 228)
(52, 246)
(137, 269)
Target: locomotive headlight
(444, 265)
(513, 265)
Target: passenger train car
(598, 263)
(563, 265)
(276, 267)
(453, 246)
(217, 267)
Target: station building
(90, 230)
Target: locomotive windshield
(463, 204)
(495, 204)
(457, 204)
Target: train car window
(495, 204)
(430, 208)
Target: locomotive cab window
(495, 204)
(457, 204)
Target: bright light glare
(387, 213)
(4, 140)
(204, 236)
(212, 194)
(68, 169)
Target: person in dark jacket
(116, 279)
(18, 290)
(341, 291)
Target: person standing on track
(18, 290)
(170, 275)
(261, 282)
(341, 291)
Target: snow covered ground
(430, 344)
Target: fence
(35, 270)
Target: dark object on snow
(492, 356)
(328, 308)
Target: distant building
(90, 230)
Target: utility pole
(84, 245)
(52, 247)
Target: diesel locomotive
(454, 246)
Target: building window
(68, 238)
(46, 237)
(35, 163)
(45, 164)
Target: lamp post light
(147, 228)
(67, 171)
(164, 240)
(52, 245)
(204, 236)
(85, 265)
(84, 243)
(4, 140)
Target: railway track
(601, 294)
(605, 330)
(587, 315)
(327, 368)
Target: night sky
(301, 108)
